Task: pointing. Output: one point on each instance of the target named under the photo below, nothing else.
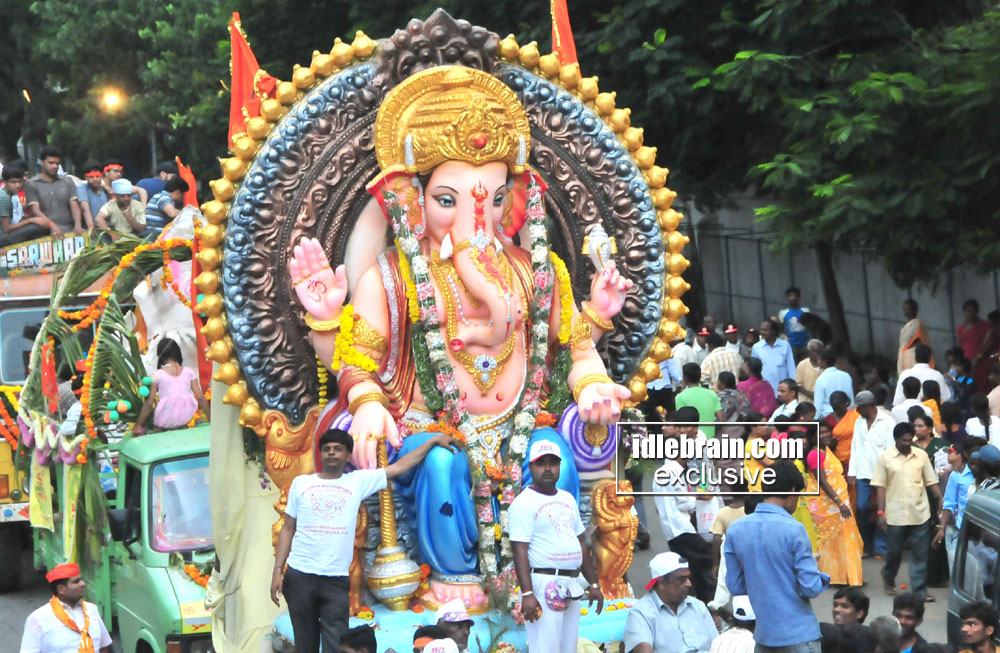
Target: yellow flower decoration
(411, 289)
(344, 352)
(565, 298)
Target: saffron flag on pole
(243, 67)
(191, 196)
(562, 34)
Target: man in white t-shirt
(317, 538)
(546, 534)
(67, 623)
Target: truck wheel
(10, 548)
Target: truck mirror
(116, 523)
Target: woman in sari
(753, 467)
(839, 542)
(912, 334)
(801, 513)
(758, 391)
(936, 447)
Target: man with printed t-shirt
(317, 538)
(546, 535)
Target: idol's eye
(498, 199)
(445, 200)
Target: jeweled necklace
(483, 368)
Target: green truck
(158, 526)
(976, 574)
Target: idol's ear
(400, 196)
(513, 210)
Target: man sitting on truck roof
(67, 623)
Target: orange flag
(243, 66)
(562, 34)
(190, 197)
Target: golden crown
(451, 113)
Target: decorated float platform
(394, 630)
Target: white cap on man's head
(664, 564)
(543, 448)
(453, 612)
(121, 187)
(742, 610)
(441, 646)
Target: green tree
(879, 133)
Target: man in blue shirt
(166, 205)
(956, 493)
(775, 355)
(798, 335)
(830, 380)
(164, 173)
(769, 558)
(91, 194)
(667, 620)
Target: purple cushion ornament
(589, 457)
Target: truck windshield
(181, 519)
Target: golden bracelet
(586, 380)
(599, 322)
(365, 398)
(323, 326)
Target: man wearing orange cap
(67, 623)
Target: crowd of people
(53, 203)
(887, 473)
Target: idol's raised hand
(320, 289)
(607, 291)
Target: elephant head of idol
(452, 143)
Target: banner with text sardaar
(43, 254)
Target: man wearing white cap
(546, 534)
(739, 637)
(667, 619)
(453, 618)
(441, 646)
(122, 213)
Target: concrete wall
(744, 281)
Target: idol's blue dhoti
(438, 501)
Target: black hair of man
(857, 598)
(901, 429)
(686, 414)
(755, 367)
(858, 638)
(792, 385)
(922, 353)
(48, 152)
(728, 380)
(803, 408)
(830, 636)
(839, 398)
(692, 373)
(92, 166)
(909, 601)
(167, 350)
(170, 168)
(434, 631)
(715, 341)
(829, 356)
(360, 638)
(913, 306)
(982, 611)
(175, 184)
(911, 387)
(113, 161)
(787, 478)
(970, 446)
(56, 584)
(951, 413)
(971, 303)
(11, 171)
(793, 289)
(339, 436)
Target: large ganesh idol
(478, 317)
(452, 233)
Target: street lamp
(111, 100)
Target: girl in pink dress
(175, 390)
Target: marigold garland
(323, 377)
(565, 298)
(9, 427)
(88, 315)
(344, 352)
(168, 278)
(195, 575)
(447, 429)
